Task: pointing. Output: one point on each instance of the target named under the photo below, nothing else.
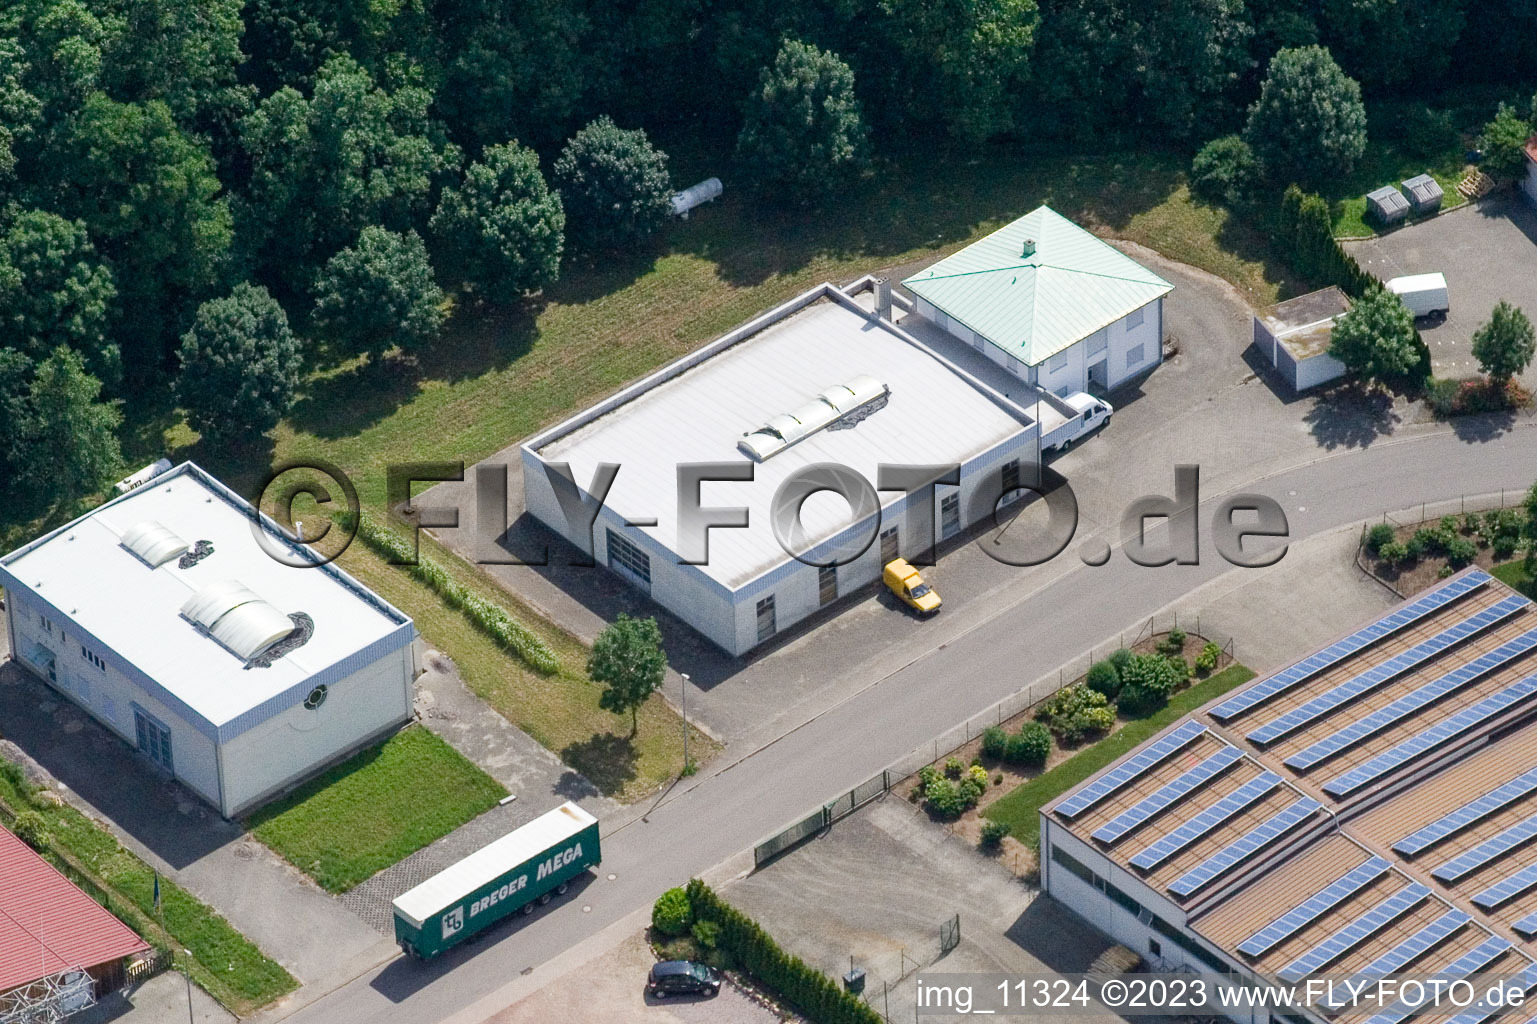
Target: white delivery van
(1424, 294)
(1090, 413)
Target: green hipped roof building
(1037, 286)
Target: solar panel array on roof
(1469, 813)
(1442, 732)
(1484, 1009)
(1526, 927)
(1314, 907)
(1134, 766)
(1507, 889)
(1208, 819)
(1471, 860)
(1284, 680)
(1385, 717)
(1406, 952)
(1470, 962)
(1150, 805)
(1388, 670)
(1251, 842)
(1356, 932)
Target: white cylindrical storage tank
(696, 195)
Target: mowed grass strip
(375, 808)
(560, 711)
(1020, 809)
(224, 963)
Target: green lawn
(1384, 165)
(376, 808)
(224, 963)
(1020, 808)
(1514, 576)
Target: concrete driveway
(1488, 252)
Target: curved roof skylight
(236, 617)
(153, 543)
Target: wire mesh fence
(960, 735)
(1426, 512)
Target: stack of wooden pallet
(1475, 184)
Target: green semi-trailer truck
(524, 868)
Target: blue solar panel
(1442, 732)
(1494, 800)
(1356, 932)
(1314, 907)
(1469, 963)
(1471, 860)
(1129, 769)
(1149, 806)
(1526, 927)
(1252, 841)
(1415, 700)
(1407, 951)
(1284, 680)
(1378, 675)
(1507, 889)
(1483, 1010)
(1205, 821)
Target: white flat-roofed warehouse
(161, 616)
(891, 400)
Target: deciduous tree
(69, 438)
(240, 364)
(803, 131)
(627, 658)
(1504, 143)
(1504, 344)
(502, 229)
(55, 291)
(1308, 124)
(379, 293)
(1375, 338)
(613, 184)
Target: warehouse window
(47, 623)
(1097, 341)
(888, 545)
(1133, 356)
(1057, 362)
(1134, 319)
(767, 626)
(1072, 864)
(92, 657)
(827, 583)
(154, 738)
(622, 554)
(950, 515)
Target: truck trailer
(524, 868)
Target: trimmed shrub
(1103, 678)
(485, 616)
(1120, 658)
(1149, 681)
(814, 994)
(31, 828)
(1377, 536)
(1224, 171)
(1418, 544)
(995, 741)
(671, 914)
(1207, 659)
(992, 834)
(1394, 552)
(1460, 552)
(953, 767)
(1075, 712)
(1031, 745)
(706, 933)
(1174, 642)
(1504, 547)
(944, 797)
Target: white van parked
(1090, 412)
(1424, 294)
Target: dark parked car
(682, 977)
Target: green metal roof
(1035, 306)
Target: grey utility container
(1387, 205)
(1423, 193)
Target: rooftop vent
(153, 543)
(1028, 249)
(233, 615)
(832, 405)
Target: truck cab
(908, 585)
(1088, 414)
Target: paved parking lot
(1488, 252)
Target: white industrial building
(1049, 302)
(823, 379)
(1529, 183)
(160, 615)
(1294, 336)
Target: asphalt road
(719, 814)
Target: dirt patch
(1411, 575)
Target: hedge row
(814, 994)
(1307, 226)
(487, 617)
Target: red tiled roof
(47, 925)
(1531, 149)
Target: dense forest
(199, 196)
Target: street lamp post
(186, 974)
(684, 677)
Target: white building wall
(109, 696)
(1529, 183)
(1135, 349)
(1065, 372)
(282, 750)
(1316, 370)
